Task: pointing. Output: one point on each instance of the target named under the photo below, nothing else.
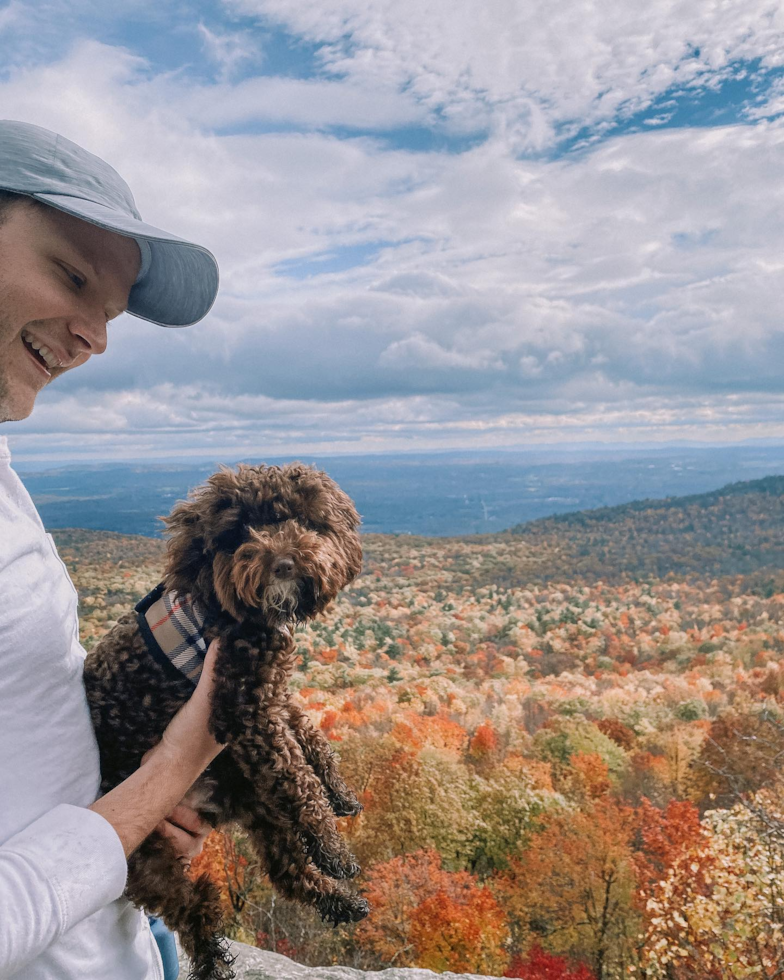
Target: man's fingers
(186, 845)
(186, 831)
(207, 678)
(189, 820)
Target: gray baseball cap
(178, 280)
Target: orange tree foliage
(417, 731)
(620, 734)
(484, 742)
(572, 891)
(664, 836)
(426, 916)
(589, 776)
(648, 777)
(226, 867)
(741, 754)
(464, 932)
(395, 889)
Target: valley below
(567, 739)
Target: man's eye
(75, 278)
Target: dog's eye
(231, 539)
(266, 515)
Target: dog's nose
(283, 568)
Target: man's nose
(90, 331)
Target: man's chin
(15, 409)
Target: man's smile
(36, 358)
(41, 351)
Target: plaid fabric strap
(173, 626)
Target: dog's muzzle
(281, 599)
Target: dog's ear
(320, 500)
(249, 566)
(352, 550)
(208, 522)
(222, 567)
(185, 548)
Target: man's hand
(139, 804)
(187, 733)
(187, 832)
(183, 826)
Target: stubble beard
(4, 417)
(5, 396)
(7, 413)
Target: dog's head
(265, 542)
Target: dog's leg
(294, 876)
(322, 760)
(236, 695)
(249, 712)
(157, 882)
(276, 767)
(248, 679)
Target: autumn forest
(567, 739)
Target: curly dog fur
(257, 549)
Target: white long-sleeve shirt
(62, 867)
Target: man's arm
(71, 861)
(148, 796)
(56, 872)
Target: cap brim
(181, 283)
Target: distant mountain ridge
(737, 529)
(771, 486)
(433, 495)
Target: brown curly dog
(250, 552)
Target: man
(74, 254)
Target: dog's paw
(337, 864)
(340, 908)
(213, 961)
(345, 806)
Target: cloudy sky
(460, 223)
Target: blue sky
(490, 224)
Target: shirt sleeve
(57, 871)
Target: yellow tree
(572, 891)
(718, 914)
(414, 799)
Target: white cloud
(175, 421)
(524, 68)
(229, 50)
(629, 290)
(295, 102)
(416, 353)
(12, 16)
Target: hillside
(524, 714)
(737, 529)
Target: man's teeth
(43, 350)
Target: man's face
(61, 281)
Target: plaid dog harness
(173, 628)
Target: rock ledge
(260, 964)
